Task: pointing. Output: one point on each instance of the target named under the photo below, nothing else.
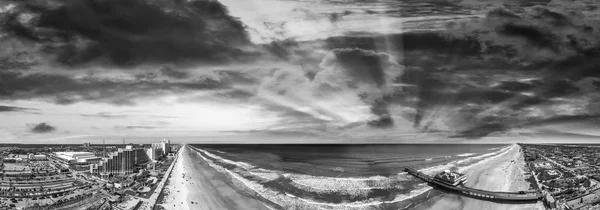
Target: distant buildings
(77, 157)
(87, 144)
(33, 157)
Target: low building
(74, 157)
(451, 178)
(33, 157)
(543, 164)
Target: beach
(202, 180)
(500, 173)
(195, 185)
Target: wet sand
(502, 173)
(194, 181)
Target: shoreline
(502, 172)
(406, 200)
(424, 196)
(195, 185)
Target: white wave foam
(238, 164)
(495, 155)
(436, 169)
(288, 201)
(347, 186)
(466, 155)
(331, 184)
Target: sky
(285, 71)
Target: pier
(521, 196)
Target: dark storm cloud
(170, 72)
(363, 66)
(564, 119)
(128, 32)
(536, 34)
(66, 90)
(366, 67)
(42, 128)
(16, 61)
(469, 97)
(13, 109)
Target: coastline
(214, 186)
(195, 185)
(499, 173)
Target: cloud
(12, 109)
(42, 128)
(135, 127)
(140, 127)
(367, 72)
(106, 115)
(169, 72)
(128, 33)
(63, 89)
(345, 78)
(538, 33)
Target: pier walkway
(483, 194)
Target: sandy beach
(195, 185)
(501, 173)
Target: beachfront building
(164, 145)
(124, 161)
(153, 153)
(451, 178)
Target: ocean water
(339, 176)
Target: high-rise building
(153, 153)
(121, 162)
(164, 145)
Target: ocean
(339, 176)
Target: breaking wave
(466, 155)
(285, 190)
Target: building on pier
(451, 178)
